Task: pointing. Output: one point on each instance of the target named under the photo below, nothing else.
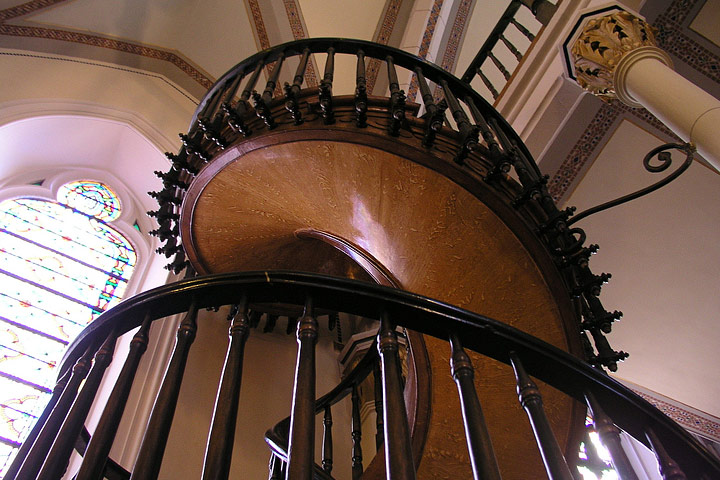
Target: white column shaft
(692, 113)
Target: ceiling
(146, 63)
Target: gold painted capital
(604, 41)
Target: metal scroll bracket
(664, 156)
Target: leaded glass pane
(93, 198)
(60, 267)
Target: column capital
(605, 45)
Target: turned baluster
(222, 428)
(482, 456)
(39, 450)
(360, 91)
(668, 468)
(147, 465)
(327, 445)
(236, 116)
(610, 437)
(468, 131)
(22, 453)
(531, 401)
(98, 449)
(398, 452)
(302, 429)
(379, 423)
(357, 462)
(59, 456)
(434, 116)
(397, 98)
(522, 29)
(500, 162)
(262, 102)
(325, 94)
(291, 91)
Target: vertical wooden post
(222, 430)
(482, 455)
(531, 400)
(325, 90)
(610, 437)
(379, 423)
(398, 451)
(357, 458)
(360, 91)
(302, 429)
(98, 449)
(327, 446)
(59, 456)
(669, 469)
(152, 449)
(38, 452)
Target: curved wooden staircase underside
(437, 230)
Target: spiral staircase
(430, 218)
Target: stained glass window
(93, 198)
(61, 265)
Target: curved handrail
(479, 333)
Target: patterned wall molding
(454, 41)
(670, 37)
(298, 30)
(425, 44)
(91, 40)
(692, 419)
(382, 36)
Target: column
(616, 56)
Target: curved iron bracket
(663, 154)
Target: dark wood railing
(678, 453)
(489, 58)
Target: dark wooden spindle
(222, 428)
(236, 116)
(325, 94)
(499, 66)
(357, 458)
(397, 98)
(531, 401)
(501, 163)
(302, 429)
(482, 456)
(488, 84)
(360, 91)
(59, 456)
(152, 449)
(398, 452)
(668, 468)
(262, 102)
(101, 441)
(22, 453)
(523, 30)
(379, 422)
(610, 437)
(468, 131)
(327, 446)
(511, 47)
(434, 116)
(292, 91)
(39, 450)
(211, 124)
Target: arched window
(61, 265)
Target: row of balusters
(543, 12)
(499, 153)
(46, 452)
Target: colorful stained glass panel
(92, 198)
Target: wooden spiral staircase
(432, 218)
